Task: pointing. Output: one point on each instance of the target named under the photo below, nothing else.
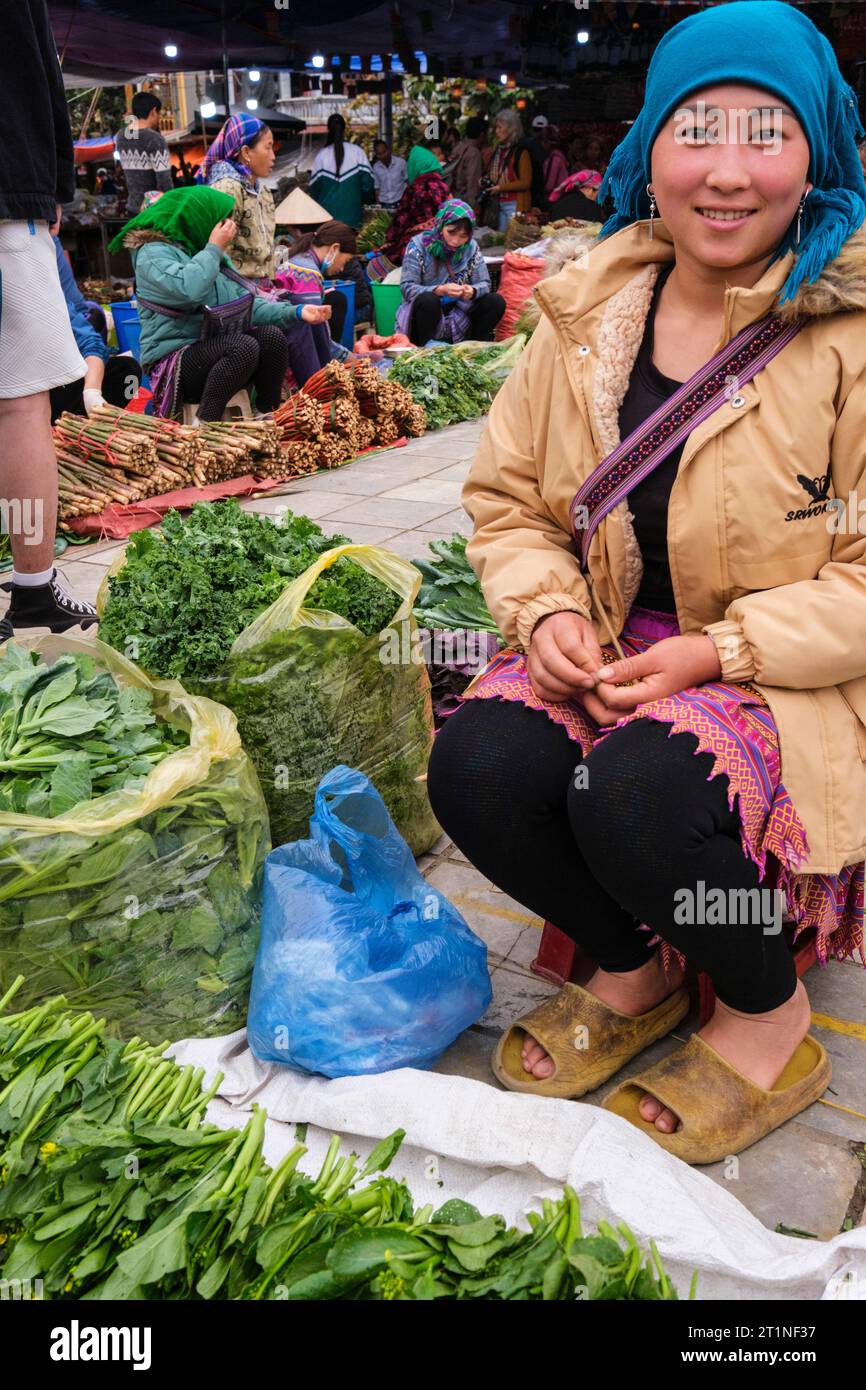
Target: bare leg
(28, 469)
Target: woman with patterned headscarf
(445, 282)
(669, 760)
(238, 161)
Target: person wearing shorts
(37, 345)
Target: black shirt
(648, 502)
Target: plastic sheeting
(506, 1152)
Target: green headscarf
(421, 161)
(185, 215)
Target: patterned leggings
(213, 369)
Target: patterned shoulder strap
(650, 444)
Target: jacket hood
(133, 241)
(629, 254)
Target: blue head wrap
(770, 45)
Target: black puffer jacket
(37, 162)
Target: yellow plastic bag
(142, 905)
(310, 691)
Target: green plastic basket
(386, 300)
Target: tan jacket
(252, 251)
(756, 563)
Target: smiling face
(728, 171)
(260, 158)
(456, 234)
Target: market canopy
(97, 36)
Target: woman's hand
(563, 655)
(669, 666)
(316, 313)
(467, 292)
(223, 234)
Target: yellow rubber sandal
(722, 1112)
(587, 1040)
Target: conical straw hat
(298, 209)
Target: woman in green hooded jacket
(179, 246)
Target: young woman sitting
(179, 247)
(670, 760)
(446, 284)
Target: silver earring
(653, 210)
(800, 208)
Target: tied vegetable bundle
(287, 627)
(344, 409)
(132, 834)
(199, 1214)
(446, 383)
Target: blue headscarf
(223, 158)
(770, 45)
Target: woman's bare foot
(633, 992)
(758, 1045)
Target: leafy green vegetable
(47, 766)
(153, 922)
(188, 588)
(202, 1216)
(451, 596)
(448, 385)
(306, 698)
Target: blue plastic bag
(362, 965)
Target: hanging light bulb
(583, 36)
(318, 60)
(503, 78)
(255, 75)
(171, 50)
(208, 109)
(252, 104)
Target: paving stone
(837, 993)
(456, 472)
(400, 516)
(525, 948)
(495, 917)
(449, 522)
(428, 490)
(469, 1056)
(100, 554)
(312, 504)
(796, 1175)
(515, 992)
(361, 534)
(412, 545)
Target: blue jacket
(166, 274)
(89, 342)
(422, 270)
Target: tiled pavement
(811, 1174)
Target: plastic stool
(238, 407)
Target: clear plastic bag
(142, 905)
(362, 966)
(311, 691)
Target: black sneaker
(6, 630)
(47, 605)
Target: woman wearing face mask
(313, 258)
(676, 737)
(237, 163)
(446, 283)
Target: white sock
(30, 581)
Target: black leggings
(600, 858)
(484, 314)
(213, 369)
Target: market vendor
(311, 258)
(237, 163)
(446, 284)
(677, 730)
(428, 190)
(179, 247)
(110, 378)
